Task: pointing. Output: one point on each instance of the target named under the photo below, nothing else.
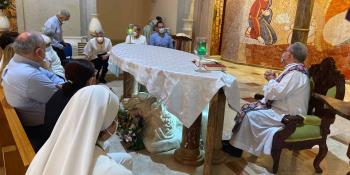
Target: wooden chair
(304, 133)
(16, 149)
(182, 43)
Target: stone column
(302, 21)
(188, 19)
(87, 9)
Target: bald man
(27, 86)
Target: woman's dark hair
(159, 19)
(7, 38)
(77, 73)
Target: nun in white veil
(72, 147)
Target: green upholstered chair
(304, 132)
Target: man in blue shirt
(161, 38)
(53, 29)
(27, 86)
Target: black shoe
(102, 80)
(233, 151)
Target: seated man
(97, 51)
(286, 94)
(27, 86)
(53, 61)
(149, 29)
(161, 38)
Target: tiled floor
(250, 82)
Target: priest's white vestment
(290, 96)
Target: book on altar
(204, 61)
(214, 67)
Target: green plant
(130, 125)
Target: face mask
(162, 30)
(99, 39)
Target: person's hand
(44, 64)
(104, 57)
(269, 75)
(266, 12)
(60, 46)
(59, 86)
(247, 32)
(261, 40)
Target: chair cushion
(305, 132)
(332, 92)
(312, 120)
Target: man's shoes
(102, 80)
(228, 148)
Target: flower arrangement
(4, 4)
(130, 128)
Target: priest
(287, 93)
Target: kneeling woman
(72, 147)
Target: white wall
(115, 15)
(32, 14)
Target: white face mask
(162, 30)
(99, 39)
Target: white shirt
(28, 88)
(141, 40)
(92, 48)
(54, 62)
(291, 94)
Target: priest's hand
(104, 57)
(269, 75)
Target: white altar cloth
(170, 76)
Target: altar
(170, 76)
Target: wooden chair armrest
(339, 107)
(292, 120)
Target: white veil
(70, 148)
